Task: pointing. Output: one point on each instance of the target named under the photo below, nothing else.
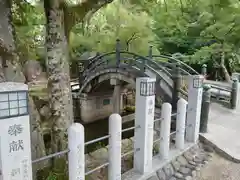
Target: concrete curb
(218, 150)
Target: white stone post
(195, 91)
(181, 119)
(237, 76)
(144, 117)
(76, 158)
(115, 143)
(165, 130)
(15, 145)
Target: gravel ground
(219, 168)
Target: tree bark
(6, 36)
(222, 64)
(58, 74)
(10, 70)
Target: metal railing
(103, 138)
(64, 152)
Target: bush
(129, 108)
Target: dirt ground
(219, 169)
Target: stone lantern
(15, 145)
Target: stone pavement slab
(224, 130)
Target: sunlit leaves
(117, 20)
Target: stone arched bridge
(170, 74)
(123, 67)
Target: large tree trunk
(58, 75)
(6, 37)
(9, 68)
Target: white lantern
(14, 103)
(198, 82)
(147, 88)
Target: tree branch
(77, 13)
(131, 38)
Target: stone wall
(186, 166)
(93, 107)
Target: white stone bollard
(115, 143)
(165, 130)
(181, 119)
(144, 118)
(195, 91)
(76, 157)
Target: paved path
(224, 130)
(219, 169)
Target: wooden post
(115, 132)
(118, 54)
(176, 86)
(181, 119)
(165, 130)
(76, 157)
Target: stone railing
(144, 161)
(147, 158)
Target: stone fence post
(206, 99)
(195, 90)
(234, 94)
(165, 131)
(76, 157)
(236, 76)
(115, 132)
(181, 120)
(144, 118)
(204, 70)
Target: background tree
(201, 31)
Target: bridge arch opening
(97, 93)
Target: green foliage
(200, 30)
(203, 31)
(129, 108)
(52, 177)
(29, 26)
(117, 20)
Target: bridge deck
(224, 130)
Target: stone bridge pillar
(116, 95)
(176, 87)
(195, 91)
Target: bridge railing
(170, 63)
(125, 59)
